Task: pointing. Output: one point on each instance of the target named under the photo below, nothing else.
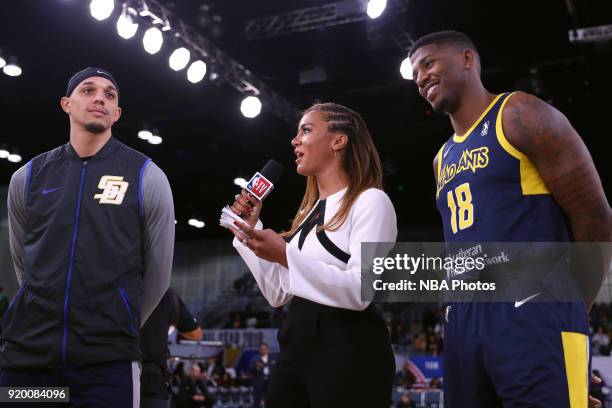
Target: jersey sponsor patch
(113, 190)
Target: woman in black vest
(335, 348)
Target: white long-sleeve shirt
(315, 274)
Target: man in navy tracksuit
(91, 227)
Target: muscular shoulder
(529, 122)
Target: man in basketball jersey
(514, 171)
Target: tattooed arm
(545, 135)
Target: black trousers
(332, 359)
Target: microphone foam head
(273, 170)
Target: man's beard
(438, 108)
(445, 106)
(95, 128)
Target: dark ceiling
(207, 143)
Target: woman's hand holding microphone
(266, 244)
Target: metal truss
(230, 70)
(394, 27)
(312, 18)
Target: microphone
(260, 185)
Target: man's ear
(65, 104)
(468, 58)
(117, 114)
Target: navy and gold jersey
(488, 191)
(521, 353)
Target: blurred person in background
(155, 379)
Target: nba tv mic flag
(260, 185)
(263, 182)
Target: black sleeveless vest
(79, 303)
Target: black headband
(88, 73)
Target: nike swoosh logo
(520, 303)
(49, 190)
(447, 150)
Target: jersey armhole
(501, 137)
(531, 181)
(439, 162)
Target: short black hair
(444, 37)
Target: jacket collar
(106, 150)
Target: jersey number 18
(462, 210)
